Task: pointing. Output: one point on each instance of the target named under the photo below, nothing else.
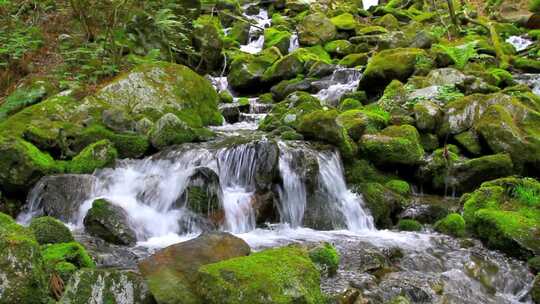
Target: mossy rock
(208, 40)
(247, 70)
(72, 252)
(358, 122)
(362, 171)
(382, 202)
(110, 286)
(388, 21)
(388, 65)
(290, 111)
(339, 47)
(316, 29)
(399, 186)
(349, 104)
(171, 130)
(453, 224)
(25, 96)
(295, 63)
(323, 125)
(280, 275)
(526, 65)
(109, 222)
(427, 115)
(278, 38)
(49, 230)
(409, 225)
(504, 214)
(98, 155)
(354, 60)
(128, 145)
(470, 141)
(535, 290)
(22, 164)
(326, 257)
(22, 271)
(393, 145)
(345, 21)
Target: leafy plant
(526, 195)
(15, 43)
(460, 55)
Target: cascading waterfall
(370, 3)
(349, 204)
(256, 35)
(342, 81)
(292, 194)
(519, 43)
(293, 42)
(532, 80)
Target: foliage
(409, 225)
(325, 257)
(526, 195)
(16, 42)
(460, 55)
(453, 224)
(534, 6)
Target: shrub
(409, 225)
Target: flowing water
(370, 3)
(342, 81)
(256, 33)
(532, 80)
(519, 43)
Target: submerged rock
(172, 273)
(109, 222)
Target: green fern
(460, 55)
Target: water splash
(351, 205)
(370, 3)
(292, 193)
(532, 80)
(294, 44)
(342, 81)
(256, 35)
(519, 43)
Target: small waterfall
(293, 43)
(519, 43)
(342, 81)
(532, 80)
(221, 84)
(370, 3)
(350, 205)
(237, 173)
(292, 194)
(256, 34)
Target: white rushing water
(532, 80)
(256, 33)
(342, 81)
(370, 3)
(151, 190)
(294, 43)
(519, 43)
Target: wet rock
(428, 209)
(170, 130)
(172, 273)
(95, 156)
(118, 120)
(109, 222)
(383, 203)
(61, 196)
(106, 286)
(266, 171)
(427, 115)
(202, 195)
(247, 70)
(393, 145)
(286, 87)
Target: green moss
(362, 171)
(395, 145)
(23, 97)
(290, 111)
(354, 60)
(502, 219)
(382, 203)
(295, 63)
(453, 224)
(388, 21)
(277, 38)
(350, 104)
(97, 155)
(339, 47)
(470, 141)
(128, 145)
(49, 230)
(316, 29)
(409, 225)
(371, 30)
(65, 270)
(399, 186)
(281, 275)
(225, 97)
(326, 257)
(358, 122)
(526, 65)
(344, 21)
(534, 264)
(72, 252)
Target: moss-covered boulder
(323, 125)
(208, 40)
(360, 121)
(339, 47)
(390, 64)
(22, 164)
(290, 111)
(504, 214)
(106, 286)
(109, 222)
(354, 60)
(409, 225)
(171, 130)
(316, 29)
(72, 252)
(22, 271)
(453, 224)
(97, 155)
(398, 145)
(326, 258)
(383, 203)
(345, 21)
(388, 21)
(24, 96)
(48, 230)
(153, 90)
(278, 38)
(281, 275)
(247, 70)
(172, 273)
(427, 115)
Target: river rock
(61, 196)
(398, 145)
(106, 286)
(172, 273)
(316, 29)
(202, 195)
(170, 130)
(109, 222)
